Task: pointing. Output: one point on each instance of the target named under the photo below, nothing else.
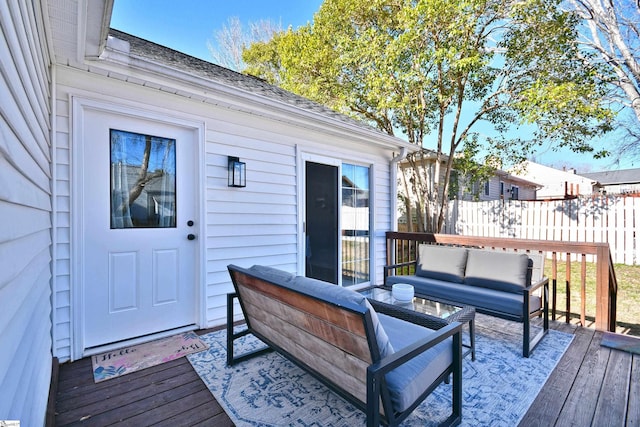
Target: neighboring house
(554, 184)
(102, 243)
(626, 181)
(501, 186)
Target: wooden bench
(335, 335)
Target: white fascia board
(94, 17)
(239, 99)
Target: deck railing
(402, 247)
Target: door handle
(191, 236)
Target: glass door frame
(305, 157)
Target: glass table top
(418, 304)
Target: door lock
(191, 236)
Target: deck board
(633, 412)
(547, 406)
(171, 392)
(95, 394)
(581, 402)
(591, 386)
(615, 389)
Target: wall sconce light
(237, 172)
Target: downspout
(393, 193)
(393, 177)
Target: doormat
(621, 342)
(269, 390)
(120, 362)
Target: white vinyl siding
(25, 210)
(257, 224)
(527, 193)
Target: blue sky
(187, 25)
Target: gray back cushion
(442, 263)
(271, 274)
(503, 271)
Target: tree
(612, 32)
(485, 80)
(144, 175)
(232, 39)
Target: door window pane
(143, 181)
(355, 218)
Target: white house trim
(303, 157)
(144, 112)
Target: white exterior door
(139, 229)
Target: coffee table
(424, 311)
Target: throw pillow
(442, 262)
(503, 271)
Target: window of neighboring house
(475, 189)
(501, 189)
(486, 188)
(355, 217)
(514, 192)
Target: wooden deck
(591, 386)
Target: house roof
(546, 175)
(135, 52)
(81, 38)
(181, 61)
(625, 176)
(516, 179)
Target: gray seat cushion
(463, 294)
(407, 382)
(502, 271)
(442, 262)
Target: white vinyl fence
(611, 219)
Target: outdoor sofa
(497, 283)
(383, 365)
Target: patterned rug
(126, 360)
(268, 390)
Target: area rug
(268, 390)
(126, 360)
(621, 342)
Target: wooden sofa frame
(528, 342)
(335, 342)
